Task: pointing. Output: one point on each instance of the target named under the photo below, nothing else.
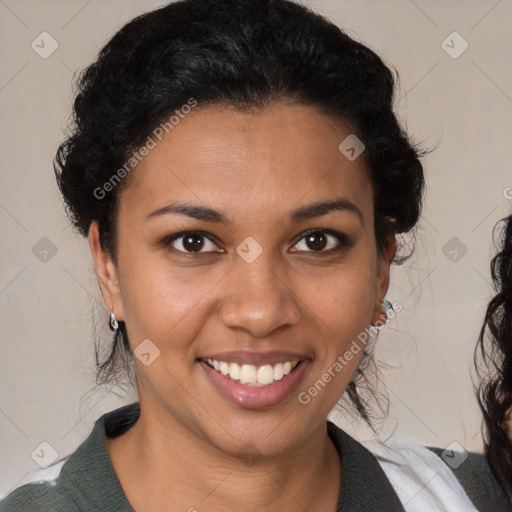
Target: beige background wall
(463, 105)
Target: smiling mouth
(251, 375)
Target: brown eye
(191, 242)
(324, 241)
(316, 241)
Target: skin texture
(192, 448)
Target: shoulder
(86, 480)
(365, 485)
(38, 497)
(424, 477)
(476, 477)
(427, 478)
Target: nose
(259, 299)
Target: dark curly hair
(245, 54)
(493, 361)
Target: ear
(382, 282)
(106, 273)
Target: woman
(493, 360)
(240, 175)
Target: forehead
(266, 161)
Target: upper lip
(256, 358)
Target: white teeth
(265, 374)
(248, 374)
(234, 371)
(251, 375)
(224, 368)
(278, 371)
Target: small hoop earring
(385, 307)
(113, 324)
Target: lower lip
(252, 397)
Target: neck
(161, 462)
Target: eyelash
(344, 242)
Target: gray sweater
(88, 482)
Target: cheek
(342, 305)
(345, 297)
(166, 303)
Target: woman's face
(215, 263)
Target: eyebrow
(304, 212)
